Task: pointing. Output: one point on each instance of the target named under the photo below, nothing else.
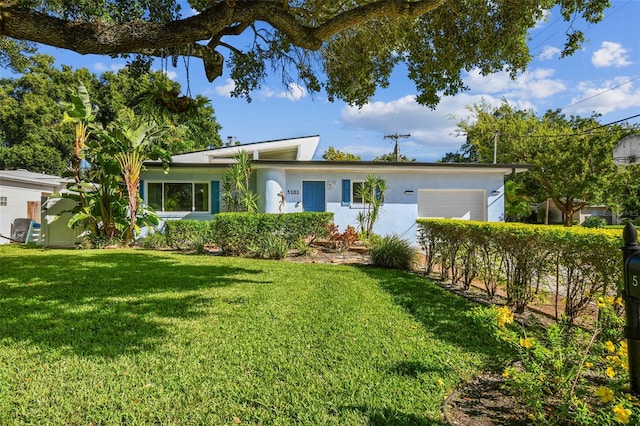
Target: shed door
(313, 196)
(468, 205)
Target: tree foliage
(332, 154)
(628, 195)
(347, 48)
(391, 157)
(34, 136)
(571, 157)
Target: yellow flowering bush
(505, 316)
(605, 394)
(621, 414)
(565, 375)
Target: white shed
(25, 194)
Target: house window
(3, 201)
(356, 192)
(178, 197)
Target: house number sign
(633, 276)
(293, 192)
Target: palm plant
(236, 194)
(372, 193)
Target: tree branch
(182, 36)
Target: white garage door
(469, 205)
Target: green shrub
(153, 240)
(270, 246)
(583, 262)
(91, 241)
(189, 234)
(567, 375)
(393, 252)
(594, 222)
(237, 233)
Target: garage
(451, 204)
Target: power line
(601, 93)
(564, 135)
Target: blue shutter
(141, 189)
(215, 196)
(346, 192)
(379, 194)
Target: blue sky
(603, 77)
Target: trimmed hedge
(239, 233)
(188, 234)
(579, 263)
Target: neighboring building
(24, 194)
(288, 180)
(556, 216)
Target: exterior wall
(54, 231)
(18, 195)
(400, 210)
(398, 213)
(271, 183)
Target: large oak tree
(347, 48)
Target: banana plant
(132, 140)
(82, 113)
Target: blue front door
(313, 196)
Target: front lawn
(142, 337)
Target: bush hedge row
(235, 233)
(246, 233)
(580, 264)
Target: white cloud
(535, 84)
(225, 89)
(172, 75)
(543, 19)
(294, 92)
(549, 53)
(610, 54)
(102, 67)
(613, 95)
(432, 131)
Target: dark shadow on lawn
(103, 304)
(442, 313)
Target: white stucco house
(25, 194)
(288, 180)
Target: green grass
(141, 337)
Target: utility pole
(396, 137)
(495, 146)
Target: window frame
(355, 193)
(207, 195)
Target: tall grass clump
(393, 252)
